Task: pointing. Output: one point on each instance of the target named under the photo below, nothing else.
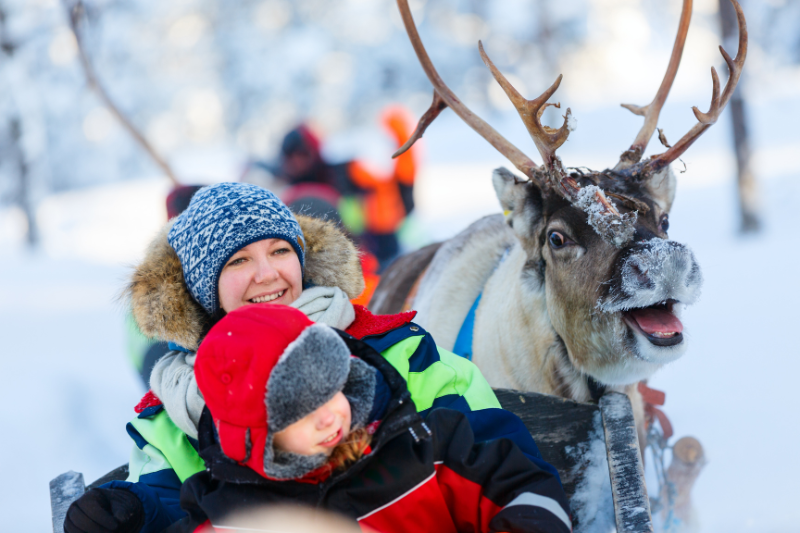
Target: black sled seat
(589, 444)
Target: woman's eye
(664, 224)
(237, 261)
(557, 240)
(281, 251)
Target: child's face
(320, 431)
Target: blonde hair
(351, 450)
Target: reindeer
(578, 287)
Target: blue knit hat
(221, 220)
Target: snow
(64, 490)
(617, 230)
(68, 389)
(592, 503)
(70, 484)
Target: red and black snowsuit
(419, 476)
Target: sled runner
(589, 445)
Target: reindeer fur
(469, 257)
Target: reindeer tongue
(657, 320)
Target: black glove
(105, 511)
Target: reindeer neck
(512, 329)
(515, 345)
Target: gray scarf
(173, 380)
(327, 305)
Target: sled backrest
(595, 449)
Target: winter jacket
(417, 476)
(163, 456)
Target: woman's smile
(263, 298)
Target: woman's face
(264, 271)
(320, 431)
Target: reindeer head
(596, 242)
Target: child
(299, 412)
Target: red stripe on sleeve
(420, 509)
(469, 508)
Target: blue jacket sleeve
(491, 424)
(160, 501)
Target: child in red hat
(299, 412)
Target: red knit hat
(262, 368)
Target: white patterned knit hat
(221, 220)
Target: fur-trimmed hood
(165, 310)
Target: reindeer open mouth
(658, 323)
(653, 282)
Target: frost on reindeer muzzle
(650, 285)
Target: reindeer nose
(641, 277)
(653, 272)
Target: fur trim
(331, 258)
(312, 369)
(360, 391)
(161, 303)
(165, 310)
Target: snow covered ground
(68, 388)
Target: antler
(651, 111)
(546, 139)
(718, 103)
(603, 216)
(430, 115)
(444, 97)
(75, 13)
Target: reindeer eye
(557, 240)
(664, 224)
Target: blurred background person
(371, 203)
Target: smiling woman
(238, 246)
(264, 271)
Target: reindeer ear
(661, 188)
(509, 188)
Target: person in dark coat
(298, 412)
(372, 204)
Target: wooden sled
(588, 444)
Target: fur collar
(164, 308)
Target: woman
(236, 245)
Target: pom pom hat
(221, 220)
(262, 368)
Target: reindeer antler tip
(635, 109)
